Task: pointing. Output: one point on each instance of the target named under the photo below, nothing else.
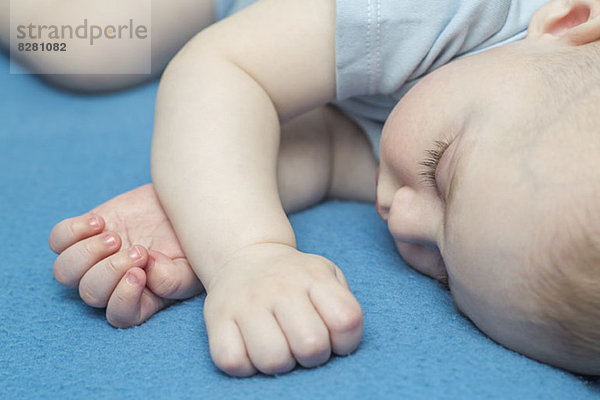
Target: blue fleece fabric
(62, 154)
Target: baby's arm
(217, 123)
(322, 155)
(218, 114)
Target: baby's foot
(125, 256)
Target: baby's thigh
(173, 23)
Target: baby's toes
(76, 260)
(97, 285)
(72, 230)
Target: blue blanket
(62, 154)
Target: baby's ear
(575, 21)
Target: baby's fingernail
(134, 253)
(132, 279)
(94, 223)
(110, 240)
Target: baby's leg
(94, 248)
(174, 22)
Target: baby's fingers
(98, 283)
(265, 342)
(171, 279)
(341, 313)
(131, 303)
(304, 329)
(227, 347)
(77, 259)
(72, 230)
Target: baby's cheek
(426, 260)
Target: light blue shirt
(384, 47)
(224, 8)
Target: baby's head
(490, 179)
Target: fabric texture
(62, 154)
(224, 8)
(384, 47)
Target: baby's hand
(271, 306)
(125, 256)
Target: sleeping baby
(487, 173)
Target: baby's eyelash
(431, 161)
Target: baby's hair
(575, 70)
(567, 290)
(566, 258)
(567, 254)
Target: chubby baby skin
(442, 146)
(269, 306)
(125, 256)
(484, 161)
(133, 289)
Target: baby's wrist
(257, 251)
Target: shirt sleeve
(381, 44)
